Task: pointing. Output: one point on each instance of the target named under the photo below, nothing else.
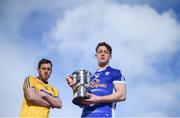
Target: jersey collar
(46, 82)
(100, 70)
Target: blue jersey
(101, 84)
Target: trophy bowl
(81, 86)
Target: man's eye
(106, 52)
(100, 51)
(46, 68)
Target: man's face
(45, 71)
(103, 55)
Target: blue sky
(144, 35)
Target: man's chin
(103, 62)
(45, 78)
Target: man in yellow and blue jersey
(39, 95)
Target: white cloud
(132, 30)
(14, 69)
(17, 62)
(139, 35)
(140, 38)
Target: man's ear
(38, 69)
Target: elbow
(29, 97)
(58, 105)
(29, 94)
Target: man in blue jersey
(107, 86)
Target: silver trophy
(81, 85)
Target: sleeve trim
(120, 82)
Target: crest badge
(107, 73)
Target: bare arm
(119, 95)
(55, 102)
(33, 96)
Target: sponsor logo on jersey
(46, 88)
(95, 83)
(39, 82)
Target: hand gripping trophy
(81, 86)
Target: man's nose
(103, 54)
(46, 70)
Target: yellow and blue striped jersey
(30, 110)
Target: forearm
(115, 97)
(55, 102)
(40, 102)
(33, 97)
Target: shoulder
(114, 70)
(29, 82)
(55, 89)
(30, 78)
(116, 74)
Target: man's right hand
(69, 80)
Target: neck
(102, 66)
(45, 81)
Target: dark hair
(104, 44)
(44, 61)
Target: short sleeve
(29, 82)
(56, 93)
(118, 77)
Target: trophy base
(77, 100)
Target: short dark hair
(104, 44)
(44, 61)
